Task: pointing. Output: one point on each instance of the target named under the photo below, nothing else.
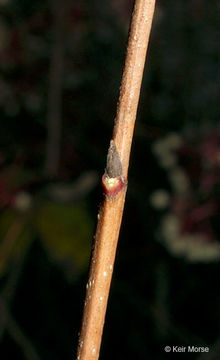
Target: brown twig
(114, 183)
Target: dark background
(61, 64)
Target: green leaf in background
(66, 232)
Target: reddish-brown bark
(110, 215)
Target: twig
(114, 183)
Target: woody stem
(110, 215)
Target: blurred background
(61, 64)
